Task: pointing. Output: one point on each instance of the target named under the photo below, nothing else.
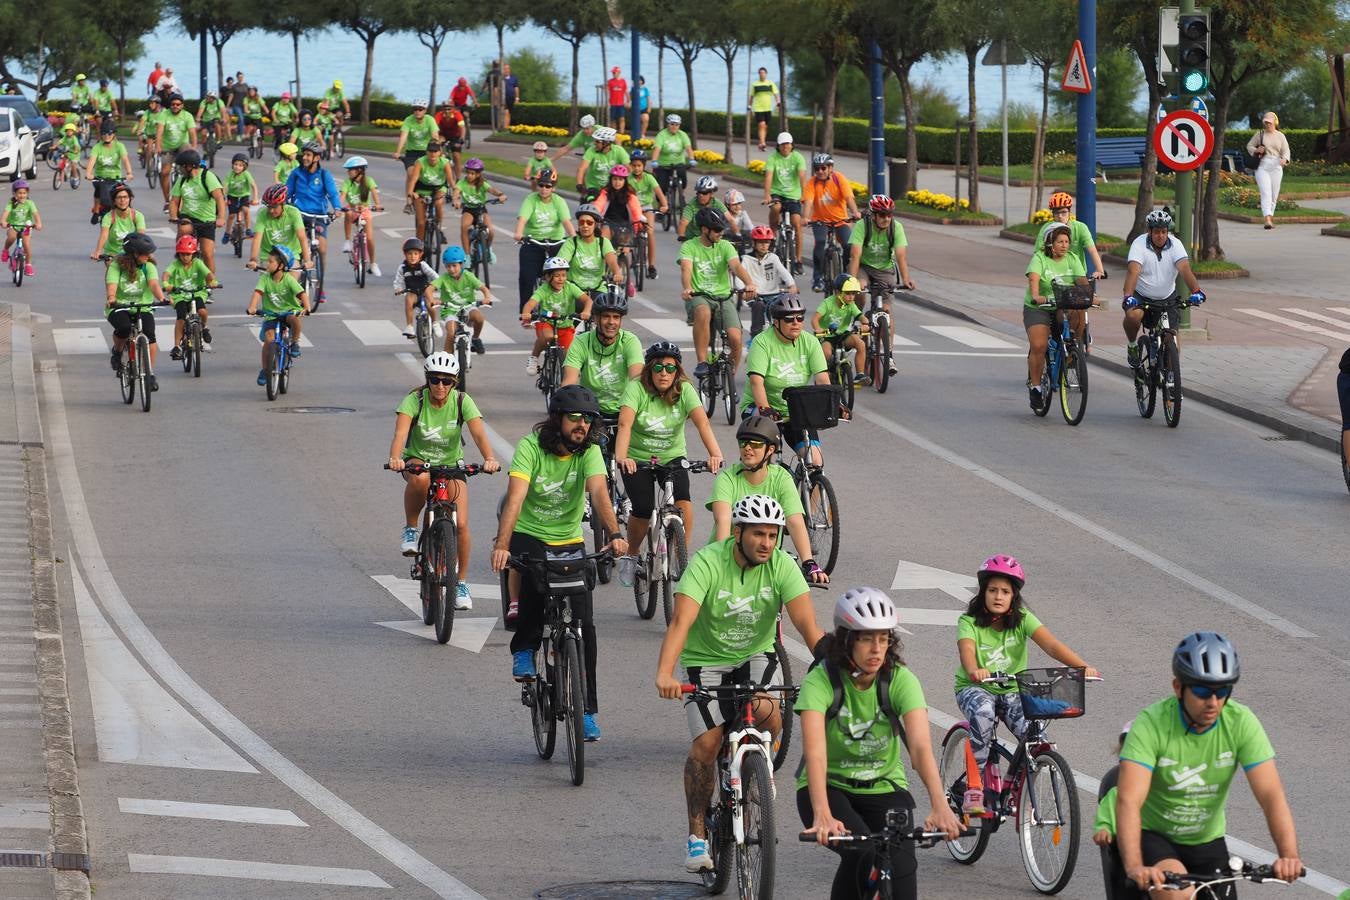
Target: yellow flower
(756, 166)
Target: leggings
(864, 814)
(1343, 390)
(529, 631)
(1269, 175)
(532, 258)
(982, 710)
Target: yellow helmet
(849, 285)
(69, 128)
(288, 149)
(337, 83)
(80, 77)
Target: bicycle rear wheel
(462, 354)
(426, 341)
(126, 377)
(359, 259)
(784, 742)
(1047, 822)
(755, 856)
(880, 357)
(143, 371)
(707, 390)
(195, 334)
(1145, 382)
(822, 520)
(443, 561)
(1169, 380)
(543, 718)
(272, 366)
(677, 557)
(56, 179)
(1073, 396)
(237, 236)
(729, 397)
(572, 684)
(952, 769)
(1046, 400)
(844, 373)
(645, 588)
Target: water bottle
(993, 776)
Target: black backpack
(421, 401)
(883, 686)
(867, 232)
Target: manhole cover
(312, 410)
(623, 890)
(1277, 437)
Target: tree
(574, 21)
(431, 25)
(687, 47)
(54, 43)
(503, 16)
(368, 19)
(1301, 97)
(1042, 29)
(1134, 25)
(295, 18)
(222, 20)
(125, 22)
(723, 21)
(540, 81)
(967, 26)
(835, 44)
(1115, 86)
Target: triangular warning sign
(1076, 76)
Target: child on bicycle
(412, 279)
(471, 192)
(992, 637)
(69, 147)
(770, 276)
(19, 217)
(188, 273)
(739, 219)
(834, 320)
(560, 299)
(361, 194)
(288, 163)
(241, 192)
(456, 289)
(324, 121)
(283, 302)
(538, 163)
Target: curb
(1225, 275)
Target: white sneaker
(409, 331)
(696, 858)
(532, 365)
(462, 598)
(346, 246)
(206, 346)
(375, 270)
(627, 570)
(438, 330)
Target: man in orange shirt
(829, 205)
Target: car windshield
(5, 121)
(23, 105)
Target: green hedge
(379, 109)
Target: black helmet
(759, 428)
(239, 157)
(108, 127)
(663, 349)
(137, 243)
(119, 188)
(611, 301)
(176, 96)
(1205, 657)
(788, 305)
(312, 147)
(414, 244)
(707, 217)
(573, 398)
(546, 177)
(188, 157)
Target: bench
(1127, 153)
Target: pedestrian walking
(644, 102)
(764, 103)
(510, 95)
(153, 78)
(618, 99)
(238, 91)
(1271, 149)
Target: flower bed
(942, 202)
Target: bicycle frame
(741, 743)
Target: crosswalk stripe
(376, 332)
(669, 329)
(899, 340)
(219, 812)
(971, 337)
(494, 335)
(304, 338)
(1297, 326)
(25, 814)
(1316, 317)
(1343, 310)
(80, 340)
(153, 864)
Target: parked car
(44, 136)
(18, 154)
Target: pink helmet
(285, 95)
(1006, 566)
(619, 171)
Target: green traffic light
(1193, 81)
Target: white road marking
(219, 812)
(376, 332)
(442, 883)
(161, 321)
(18, 692)
(242, 868)
(898, 340)
(413, 363)
(958, 353)
(469, 634)
(911, 616)
(669, 329)
(912, 576)
(393, 232)
(135, 720)
(494, 335)
(1298, 326)
(1316, 317)
(71, 341)
(971, 337)
(25, 814)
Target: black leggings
(120, 320)
(641, 489)
(532, 258)
(529, 631)
(864, 814)
(1343, 390)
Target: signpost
(1004, 53)
(1083, 62)
(1184, 140)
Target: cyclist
(471, 195)
(117, 223)
(284, 115)
(589, 254)
(327, 124)
(108, 164)
(360, 194)
(176, 130)
(450, 125)
(288, 162)
(1178, 763)
(835, 317)
(462, 97)
(189, 273)
(727, 605)
(651, 198)
(537, 163)
(81, 100)
(652, 413)
(785, 173)
(542, 224)
(283, 301)
(1052, 259)
(1155, 261)
(305, 129)
(132, 282)
(605, 359)
(781, 357)
(68, 145)
(705, 197)
(313, 191)
(737, 216)
(852, 773)
(281, 226)
(20, 216)
(758, 439)
(579, 141)
(254, 110)
(432, 175)
(429, 427)
(673, 154)
(103, 102)
(603, 155)
(829, 206)
(412, 279)
(211, 115)
(621, 208)
(197, 201)
(414, 135)
(147, 123)
(553, 469)
(768, 276)
(241, 194)
(706, 265)
(337, 101)
(561, 299)
(1081, 243)
(991, 636)
(456, 289)
(877, 250)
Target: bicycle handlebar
(525, 562)
(1007, 678)
(919, 835)
(468, 470)
(1240, 870)
(710, 691)
(691, 465)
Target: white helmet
(604, 134)
(865, 609)
(554, 263)
(419, 103)
(733, 196)
(441, 363)
(757, 509)
(673, 119)
(587, 121)
(784, 137)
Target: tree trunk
(367, 80)
(831, 86)
(661, 83)
(435, 55)
(1148, 175)
(1209, 221)
(911, 133)
(973, 167)
(295, 48)
(1038, 155)
(730, 59)
(122, 76)
(501, 46)
(688, 61)
(576, 73)
(604, 70)
(782, 90)
(220, 66)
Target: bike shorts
(181, 307)
(410, 158)
(456, 145)
(1201, 859)
(641, 489)
(103, 188)
(887, 277)
(724, 312)
(316, 221)
(424, 190)
(861, 814)
(790, 206)
(565, 335)
(255, 121)
(270, 321)
(705, 715)
(764, 117)
(120, 320)
(236, 204)
(203, 231)
(1033, 316)
(836, 341)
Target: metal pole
(1003, 75)
(876, 164)
(202, 59)
(636, 121)
(1087, 119)
(1185, 181)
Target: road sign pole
(1185, 184)
(1087, 119)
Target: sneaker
(409, 545)
(225, 238)
(891, 369)
(701, 370)
(651, 272)
(696, 857)
(28, 270)
(1035, 394)
(206, 336)
(248, 232)
(476, 345)
(512, 612)
(375, 271)
(522, 665)
(462, 598)
(4, 256)
(590, 731)
(153, 382)
(206, 345)
(166, 210)
(116, 360)
(262, 377)
(492, 256)
(407, 208)
(346, 246)
(818, 285)
(409, 331)
(972, 803)
(627, 570)
(531, 365)
(93, 217)
(295, 349)
(437, 330)
(323, 296)
(862, 378)
(1132, 355)
(797, 268)
(176, 353)
(440, 234)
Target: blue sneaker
(589, 729)
(696, 859)
(522, 665)
(295, 350)
(262, 377)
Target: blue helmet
(453, 254)
(356, 162)
(285, 254)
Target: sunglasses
(798, 317)
(444, 379)
(670, 368)
(752, 444)
(706, 193)
(1202, 692)
(820, 168)
(578, 417)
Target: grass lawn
(1022, 172)
(1166, 194)
(1204, 267)
(1031, 229)
(928, 212)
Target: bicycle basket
(567, 573)
(1052, 693)
(623, 234)
(1075, 293)
(813, 405)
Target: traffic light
(1193, 52)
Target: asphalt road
(228, 558)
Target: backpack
(883, 686)
(867, 232)
(421, 401)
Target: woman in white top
(1271, 150)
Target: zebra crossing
(1303, 320)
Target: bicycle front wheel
(127, 378)
(822, 520)
(143, 371)
(1145, 382)
(426, 341)
(272, 366)
(359, 260)
(845, 375)
(717, 831)
(1047, 822)
(443, 562)
(880, 359)
(462, 354)
(1073, 385)
(707, 390)
(645, 588)
(237, 236)
(952, 769)
(1169, 380)
(543, 718)
(572, 688)
(755, 856)
(195, 336)
(729, 393)
(784, 741)
(677, 557)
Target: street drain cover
(623, 890)
(312, 410)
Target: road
(258, 715)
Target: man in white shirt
(1155, 260)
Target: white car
(18, 154)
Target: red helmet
(274, 195)
(186, 244)
(1061, 200)
(881, 203)
(1007, 566)
(761, 233)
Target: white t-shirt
(1158, 271)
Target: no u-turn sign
(1183, 140)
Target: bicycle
(834, 252)
(431, 231)
(312, 279)
(739, 822)
(721, 377)
(65, 170)
(424, 326)
(435, 567)
(255, 148)
(1036, 786)
(785, 240)
(812, 408)
(897, 828)
(840, 363)
(877, 335)
(662, 563)
(277, 360)
(191, 345)
(134, 372)
(154, 165)
(339, 140)
(614, 482)
(18, 257)
(1160, 359)
(360, 253)
(551, 359)
(1239, 869)
(464, 342)
(679, 174)
(1066, 370)
(557, 693)
(480, 253)
(209, 147)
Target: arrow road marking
(912, 576)
(470, 632)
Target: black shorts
(236, 204)
(456, 145)
(120, 320)
(203, 231)
(791, 207)
(1200, 859)
(764, 118)
(641, 489)
(181, 307)
(410, 157)
(255, 121)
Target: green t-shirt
(134, 291)
(70, 145)
(301, 136)
(150, 120)
(419, 133)
(645, 186)
(1106, 813)
(108, 159)
(1192, 771)
(470, 195)
(658, 426)
(79, 94)
(587, 261)
(708, 272)
(544, 220)
(535, 166)
(433, 178)
(118, 228)
(604, 369)
(996, 650)
(280, 296)
(670, 149)
(253, 107)
(103, 100)
(325, 122)
(837, 317)
(859, 742)
(879, 250)
(738, 608)
(279, 230)
(762, 95)
(195, 276)
(209, 111)
(1048, 268)
(283, 169)
(783, 364)
(553, 504)
(558, 303)
(350, 189)
(284, 113)
(730, 485)
(599, 164)
(177, 128)
(195, 193)
(787, 174)
(580, 139)
(239, 184)
(21, 213)
(438, 436)
(687, 226)
(456, 293)
(1080, 237)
